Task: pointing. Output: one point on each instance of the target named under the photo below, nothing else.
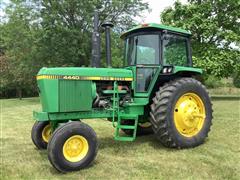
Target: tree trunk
(19, 93)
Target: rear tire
(41, 132)
(72, 147)
(181, 113)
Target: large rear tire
(73, 146)
(181, 113)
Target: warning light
(144, 25)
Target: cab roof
(157, 27)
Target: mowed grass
(217, 158)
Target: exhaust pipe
(96, 51)
(107, 26)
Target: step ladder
(121, 136)
(116, 113)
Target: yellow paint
(189, 114)
(46, 133)
(75, 148)
(128, 79)
(94, 78)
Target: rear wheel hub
(189, 114)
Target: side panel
(75, 95)
(48, 92)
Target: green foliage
(174, 51)
(17, 58)
(236, 80)
(176, 55)
(215, 32)
(50, 33)
(213, 82)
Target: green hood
(85, 73)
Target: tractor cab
(151, 47)
(156, 44)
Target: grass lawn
(231, 91)
(217, 158)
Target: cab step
(119, 126)
(125, 138)
(125, 127)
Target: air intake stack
(107, 26)
(96, 42)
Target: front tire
(181, 113)
(41, 133)
(72, 147)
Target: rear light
(144, 25)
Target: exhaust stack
(107, 26)
(96, 51)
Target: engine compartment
(105, 90)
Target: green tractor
(156, 91)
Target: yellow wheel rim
(75, 148)
(189, 114)
(46, 133)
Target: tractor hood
(72, 89)
(83, 73)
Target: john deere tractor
(156, 91)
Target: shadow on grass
(44, 156)
(43, 153)
(109, 142)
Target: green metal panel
(88, 72)
(157, 26)
(93, 114)
(40, 116)
(189, 69)
(48, 92)
(75, 95)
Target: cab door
(147, 56)
(144, 78)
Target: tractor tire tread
(158, 114)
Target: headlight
(167, 70)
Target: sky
(157, 6)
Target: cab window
(142, 49)
(175, 50)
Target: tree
(51, 33)
(215, 32)
(67, 27)
(18, 49)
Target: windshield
(142, 49)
